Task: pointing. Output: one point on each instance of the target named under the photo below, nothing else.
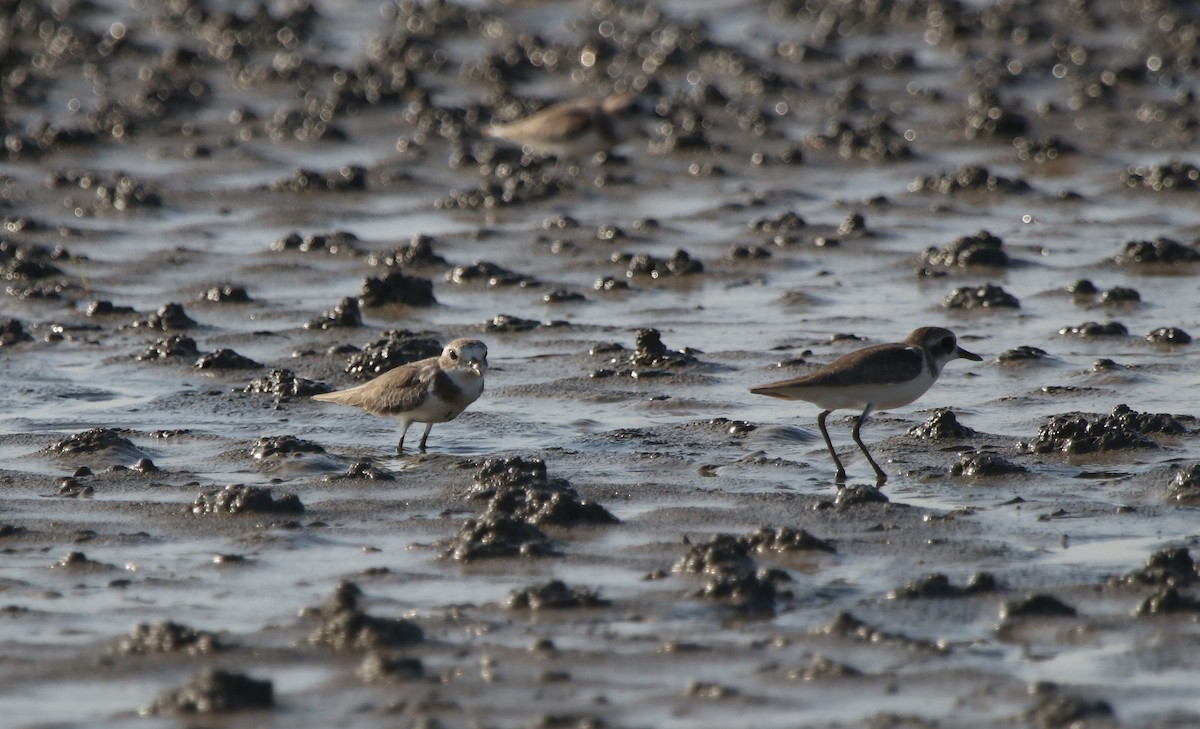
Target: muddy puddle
(214, 210)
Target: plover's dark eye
(453, 355)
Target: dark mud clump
(13, 332)
(1054, 709)
(733, 577)
(226, 359)
(1165, 602)
(1185, 486)
(347, 178)
(418, 253)
(93, 441)
(345, 315)
(984, 465)
(988, 296)
(942, 425)
(212, 691)
(393, 349)
(981, 249)
(969, 179)
(846, 625)
(1041, 151)
(986, 116)
(1023, 353)
(1096, 329)
(344, 626)
(395, 287)
(1120, 296)
(364, 470)
(1172, 176)
(521, 489)
(1169, 335)
(336, 243)
(1170, 567)
(167, 637)
(107, 308)
(823, 668)
(876, 141)
(1039, 605)
(515, 187)
(650, 357)
(114, 191)
(80, 562)
(507, 323)
(855, 495)
(243, 499)
(489, 274)
(169, 317)
(554, 595)
(176, 345)
(496, 474)
(785, 540)
(637, 265)
(1160, 251)
(378, 667)
(1123, 428)
(282, 446)
(285, 385)
(497, 535)
(938, 586)
(562, 295)
(226, 294)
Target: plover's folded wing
(555, 123)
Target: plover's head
(941, 344)
(466, 353)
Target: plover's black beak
(476, 366)
(964, 354)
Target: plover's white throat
(879, 377)
(433, 390)
(572, 129)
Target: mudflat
(213, 211)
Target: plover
(571, 129)
(433, 390)
(880, 377)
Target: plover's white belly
(880, 396)
(437, 410)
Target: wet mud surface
(213, 211)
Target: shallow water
(644, 448)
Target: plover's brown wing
(395, 391)
(404, 388)
(881, 364)
(559, 122)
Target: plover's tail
(352, 396)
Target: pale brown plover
(433, 390)
(572, 129)
(880, 377)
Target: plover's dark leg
(400, 445)
(880, 476)
(841, 472)
(425, 435)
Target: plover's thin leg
(880, 476)
(425, 435)
(841, 472)
(403, 432)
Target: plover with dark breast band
(571, 129)
(880, 377)
(433, 390)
